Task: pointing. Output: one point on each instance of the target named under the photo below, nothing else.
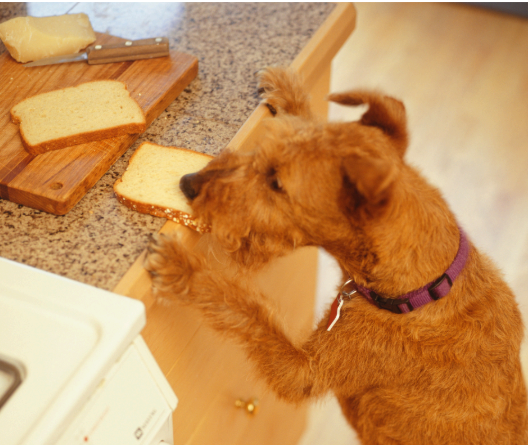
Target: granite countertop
(99, 239)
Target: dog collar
(412, 300)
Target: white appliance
(73, 367)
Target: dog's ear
(384, 112)
(367, 182)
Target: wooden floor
(462, 74)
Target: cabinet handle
(251, 406)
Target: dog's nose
(190, 185)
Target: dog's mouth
(198, 224)
(203, 225)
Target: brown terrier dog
(422, 345)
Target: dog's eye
(273, 180)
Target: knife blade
(119, 52)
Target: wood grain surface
(57, 180)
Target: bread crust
(80, 138)
(176, 216)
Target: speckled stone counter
(99, 239)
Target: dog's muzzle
(190, 185)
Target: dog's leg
(283, 93)
(235, 311)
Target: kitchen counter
(99, 239)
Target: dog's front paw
(282, 92)
(171, 266)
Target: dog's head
(304, 183)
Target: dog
(422, 344)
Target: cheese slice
(33, 38)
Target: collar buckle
(440, 287)
(390, 304)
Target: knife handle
(129, 50)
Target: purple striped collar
(426, 294)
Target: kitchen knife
(118, 52)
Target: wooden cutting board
(57, 180)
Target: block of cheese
(151, 183)
(33, 38)
(91, 111)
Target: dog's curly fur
(446, 373)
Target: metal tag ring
(346, 294)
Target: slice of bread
(151, 182)
(88, 112)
